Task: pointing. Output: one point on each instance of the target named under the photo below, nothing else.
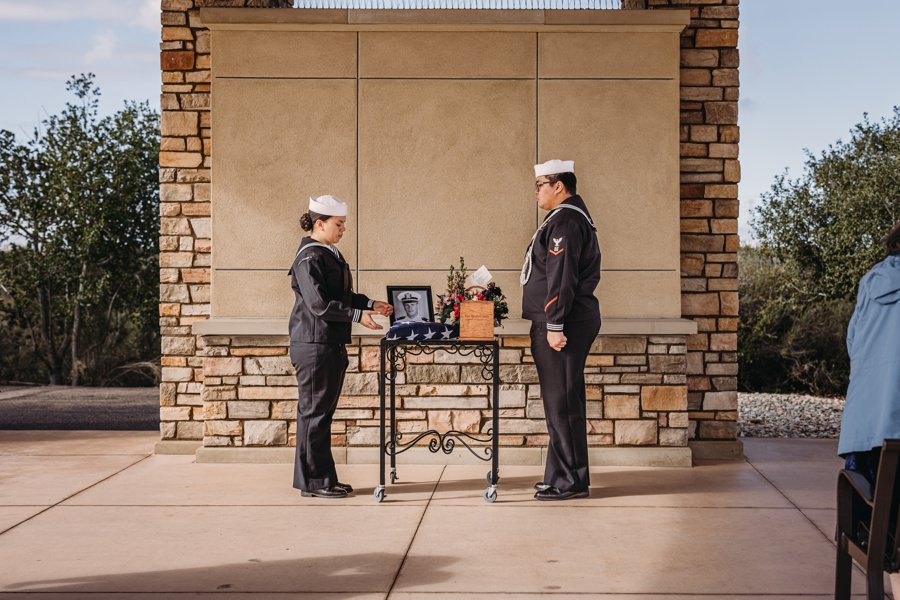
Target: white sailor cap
(409, 297)
(327, 205)
(553, 167)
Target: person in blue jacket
(872, 408)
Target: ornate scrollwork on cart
(443, 443)
(398, 355)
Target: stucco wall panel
(447, 170)
(640, 294)
(265, 172)
(264, 294)
(625, 147)
(284, 54)
(446, 54)
(270, 295)
(629, 55)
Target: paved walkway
(90, 513)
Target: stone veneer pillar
(184, 177)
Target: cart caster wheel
(490, 495)
(394, 475)
(490, 478)
(379, 494)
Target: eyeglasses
(538, 184)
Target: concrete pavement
(95, 514)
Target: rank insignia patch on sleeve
(556, 249)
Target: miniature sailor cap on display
(553, 167)
(327, 205)
(409, 297)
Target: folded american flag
(417, 332)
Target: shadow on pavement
(345, 576)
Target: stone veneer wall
(250, 407)
(635, 388)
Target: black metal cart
(393, 358)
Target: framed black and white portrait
(411, 303)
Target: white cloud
(102, 49)
(132, 12)
(50, 11)
(148, 15)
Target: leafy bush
(786, 344)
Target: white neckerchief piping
(320, 245)
(526, 267)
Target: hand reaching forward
(367, 321)
(383, 308)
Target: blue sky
(809, 70)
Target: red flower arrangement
(448, 302)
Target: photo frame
(405, 298)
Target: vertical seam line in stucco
(537, 109)
(358, 220)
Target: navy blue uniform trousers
(320, 376)
(562, 389)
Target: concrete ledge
(610, 326)
(599, 457)
(640, 457)
(181, 447)
(717, 450)
(272, 455)
(526, 20)
(236, 326)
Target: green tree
(78, 226)
(830, 221)
(818, 236)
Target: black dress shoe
(344, 486)
(541, 486)
(552, 493)
(326, 492)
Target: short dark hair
(892, 241)
(568, 180)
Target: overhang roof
(460, 4)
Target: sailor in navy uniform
(561, 272)
(325, 307)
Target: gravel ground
(789, 415)
(63, 407)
